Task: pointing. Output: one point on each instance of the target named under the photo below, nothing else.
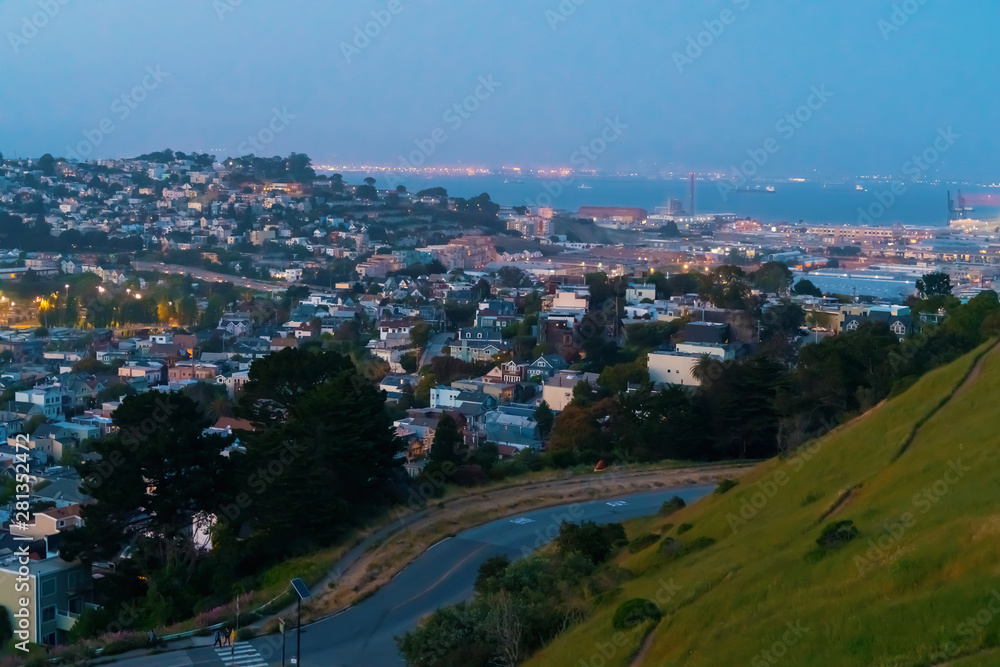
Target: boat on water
(757, 188)
(584, 186)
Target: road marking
(240, 655)
(521, 520)
(617, 503)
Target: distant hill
(919, 477)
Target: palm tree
(704, 369)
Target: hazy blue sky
(562, 75)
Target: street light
(302, 591)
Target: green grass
(901, 603)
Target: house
(58, 592)
(495, 314)
(153, 372)
(48, 398)
(637, 292)
(897, 318)
(395, 385)
(511, 371)
(237, 324)
(233, 382)
(546, 366)
(513, 426)
(192, 370)
(677, 366)
(478, 344)
(55, 520)
(557, 391)
(388, 328)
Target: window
(49, 587)
(852, 325)
(49, 613)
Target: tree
(806, 287)
(420, 333)
(337, 449)
(933, 284)
(511, 276)
(152, 480)
(448, 444)
(773, 277)
(277, 381)
(545, 418)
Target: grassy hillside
(920, 585)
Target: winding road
(365, 633)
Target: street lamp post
(302, 591)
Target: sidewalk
(182, 644)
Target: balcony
(65, 620)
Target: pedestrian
(232, 637)
(218, 639)
(151, 638)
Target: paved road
(434, 346)
(364, 634)
(209, 276)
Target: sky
(797, 88)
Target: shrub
(594, 541)
(672, 505)
(837, 534)
(635, 612)
(725, 485)
(684, 527)
(642, 542)
(490, 571)
(672, 548)
(702, 542)
(469, 475)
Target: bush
(635, 612)
(684, 527)
(469, 475)
(702, 542)
(837, 534)
(594, 541)
(490, 571)
(725, 485)
(642, 542)
(672, 548)
(672, 505)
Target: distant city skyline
(732, 86)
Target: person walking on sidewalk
(218, 639)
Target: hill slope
(920, 585)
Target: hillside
(920, 585)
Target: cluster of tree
(519, 606)
(760, 405)
(321, 459)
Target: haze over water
(810, 202)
